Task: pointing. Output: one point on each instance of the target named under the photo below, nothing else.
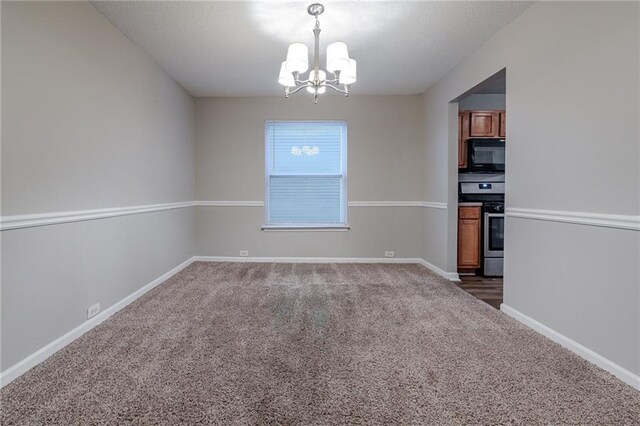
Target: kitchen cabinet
(484, 124)
(478, 124)
(469, 237)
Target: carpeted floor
(247, 343)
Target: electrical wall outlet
(244, 253)
(389, 254)
(92, 311)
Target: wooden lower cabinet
(469, 237)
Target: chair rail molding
(426, 204)
(383, 203)
(54, 218)
(229, 203)
(605, 220)
(433, 205)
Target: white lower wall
(582, 281)
(224, 231)
(434, 222)
(52, 274)
(81, 263)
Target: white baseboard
(45, 352)
(451, 276)
(586, 353)
(307, 259)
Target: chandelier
(339, 65)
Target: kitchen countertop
(470, 204)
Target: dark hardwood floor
(487, 289)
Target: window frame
(343, 226)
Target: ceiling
(235, 48)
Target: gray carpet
(246, 343)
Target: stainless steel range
(493, 241)
(489, 189)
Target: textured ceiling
(235, 48)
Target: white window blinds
(306, 173)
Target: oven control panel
(482, 187)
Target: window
(306, 174)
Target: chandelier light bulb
(297, 58)
(348, 75)
(286, 78)
(337, 57)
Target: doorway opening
(480, 186)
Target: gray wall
(483, 101)
(89, 122)
(384, 145)
(572, 146)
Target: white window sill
(320, 228)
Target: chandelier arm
(299, 88)
(337, 89)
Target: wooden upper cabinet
(469, 237)
(478, 124)
(484, 124)
(463, 135)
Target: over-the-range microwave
(486, 155)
